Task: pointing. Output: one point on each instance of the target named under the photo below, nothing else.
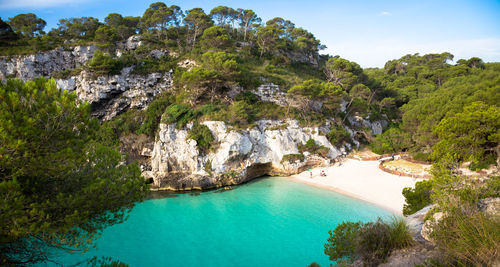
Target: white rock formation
(376, 127)
(109, 95)
(112, 94)
(45, 63)
(238, 156)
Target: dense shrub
(468, 239)
(123, 124)
(338, 135)
(484, 163)
(371, 242)
(341, 244)
(149, 65)
(153, 115)
(420, 156)
(391, 141)
(180, 114)
(313, 148)
(418, 197)
(103, 64)
(292, 158)
(202, 135)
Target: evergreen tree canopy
(59, 186)
(28, 25)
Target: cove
(267, 222)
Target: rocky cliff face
(238, 156)
(173, 160)
(113, 94)
(45, 63)
(109, 95)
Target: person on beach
(311, 174)
(323, 173)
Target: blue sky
(367, 32)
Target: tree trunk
(194, 37)
(245, 34)
(497, 150)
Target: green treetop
(59, 187)
(27, 25)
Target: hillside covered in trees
(213, 64)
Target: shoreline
(362, 180)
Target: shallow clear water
(268, 222)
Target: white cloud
(11, 4)
(377, 53)
(385, 13)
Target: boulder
(490, 206)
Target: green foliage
(217, 72)
(418, 197)
(313, 148)
(156, 19)
(83, 28)
(338, 135)
(291, 158)
(215, 37)
(105, 262)
(27, 25)
(393, 140)
(197, 21)
(468, 239)
(341, 244)
(104, 64)
(149, 65)
(487, 160)
(66, 73)
(422, 115)
(49, 157)
(126, 123)
(7, 34)
(153, 115)
(421, 156)
(180, 114)
(371, 242)
(202, 135)
(469, 134)
(124, 27)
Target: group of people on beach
(322, 173)
(339, 160)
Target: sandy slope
(363, 180)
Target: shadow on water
(194, 193)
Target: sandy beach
(363, 180)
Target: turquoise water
(268, 222)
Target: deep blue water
(268, 222)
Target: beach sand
(362, 180)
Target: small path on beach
(363, 180)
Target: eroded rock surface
(111, 95)
(238, 156)
(44, 64)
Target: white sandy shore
(363, 180)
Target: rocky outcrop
(270, 92)
(110, 95)
(416, 222)
(44, 64)
(237, 157)
(376, 127)
(490, 206)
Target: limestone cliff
(45, 63)
(238, 156)
(109, 95)
(173, 161)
